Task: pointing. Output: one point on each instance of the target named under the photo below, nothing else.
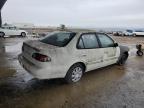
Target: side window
(88, 41)
(80, 44)
(105, 40)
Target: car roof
(80, 31)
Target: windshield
(58, 39)
(130, 31)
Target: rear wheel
(74, 74)
(23, 34)
(123, 59)
(2, 34)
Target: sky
(76, 13)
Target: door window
(105, 41)
(80, 44)
(88, 41)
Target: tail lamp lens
(41, 57)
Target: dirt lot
(110, 87)
(129, 40)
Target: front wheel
(23, 34)
(74, 74)
(123, 59)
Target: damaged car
(69, 55)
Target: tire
(23, 34)
(123, 59)
(2, 34)
(139, 53)
(74, 74)
(134, 35)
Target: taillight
(41, 57)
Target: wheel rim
(23, 34)
(77, 74)
(140, 53)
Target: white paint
(62, 58)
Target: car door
(6, 31)
(17, 31)
(14, 31)
(90, 52)
(110, 52)
(9, 31)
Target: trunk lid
(35, 46)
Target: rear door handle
(84, 55)
(106, 52)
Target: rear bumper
(48, 72)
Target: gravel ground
(110, 87)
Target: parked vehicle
(138, 33)
(70, 54)
(128, 33)
(12, 31)
(118, 33)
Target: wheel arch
(68, 76)
(123, 50)
(23, 32)
(81, 63)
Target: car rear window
(59, 39)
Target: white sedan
(70, 54)
(138, 33)
(12, 31)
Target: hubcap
(77, 74)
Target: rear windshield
(58, 39)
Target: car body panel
(139, 33)
(110, 55)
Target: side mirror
(115, 44)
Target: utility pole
(2, 2)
